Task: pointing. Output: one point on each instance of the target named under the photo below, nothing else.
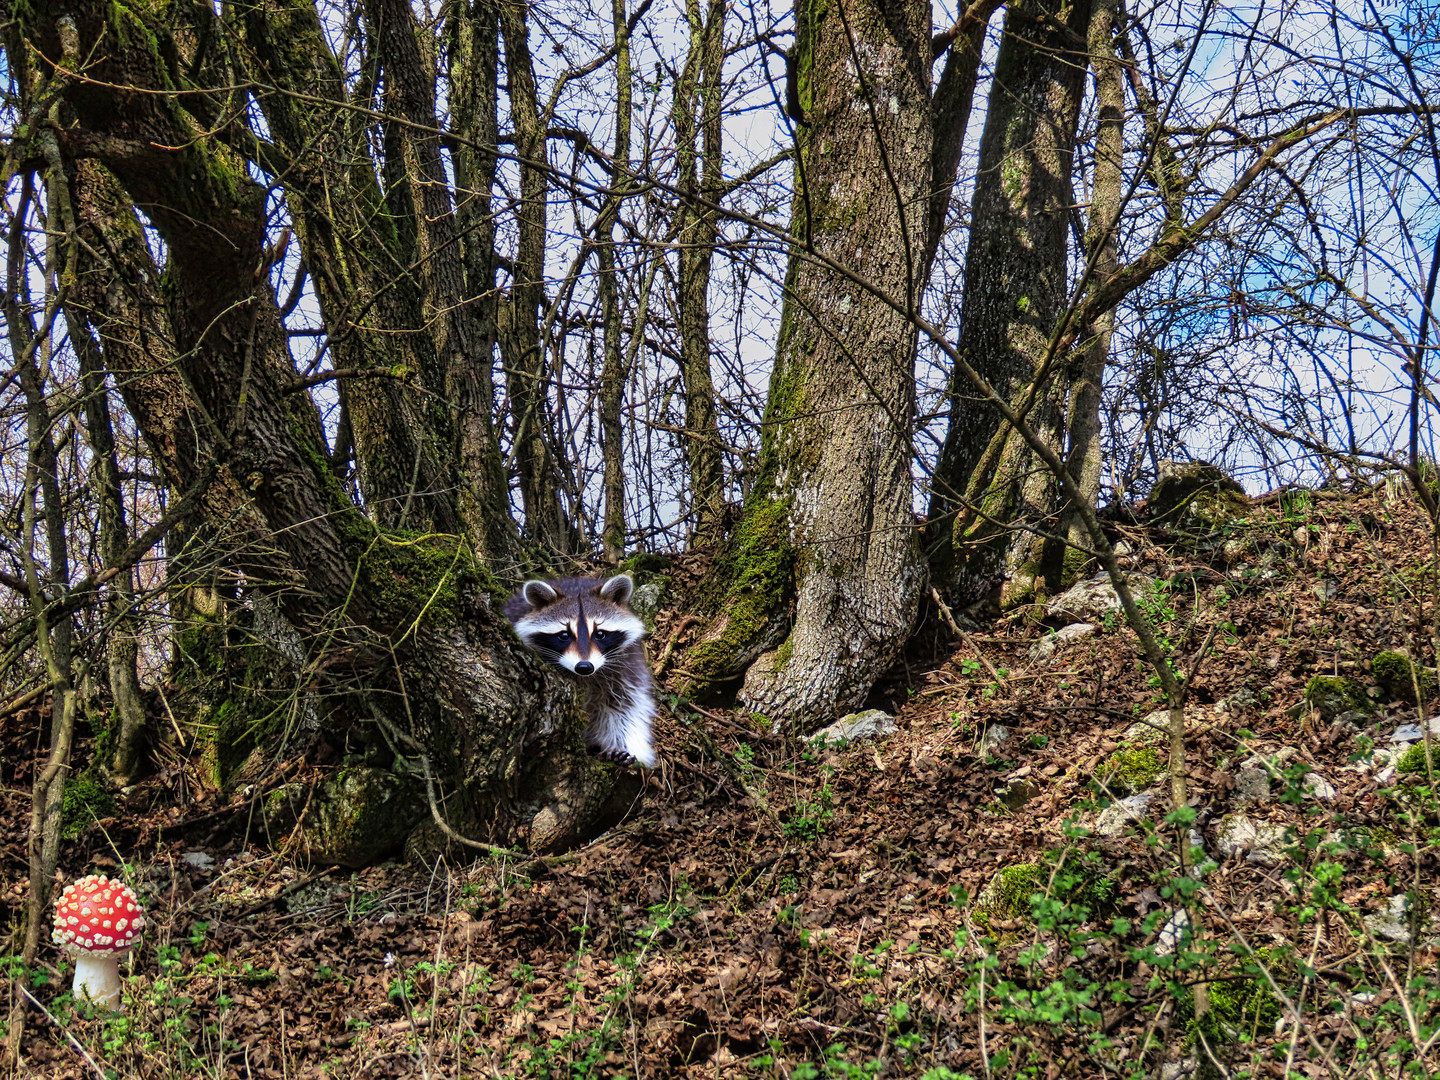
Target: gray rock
(1411, 733)
(1113, 820)
(1092, 599)
(1155, 727)
(1045, 648)
(994, 735)
(1016, 793)
(1318, 788)
(1393, 923)
(1172, 933)
(645, 600)
(1252, 785)
(1241, 701)
(1259, 842)
(869, 724)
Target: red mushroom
(99, 921)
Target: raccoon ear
(618, 589)
(539, 593)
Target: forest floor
(775, 909)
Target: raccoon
(582, 626)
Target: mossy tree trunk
(1015, 292)
(829, 523)
(818, 586)
(396, 634)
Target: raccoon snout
(584, 667)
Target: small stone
(1409, 733)
(1318, 788)
(1113, 820)
(1252, 784)
(1239, 702)
(645, 600)
(1393, 923)
(1260, 842)
(1016, 793)
(869, 724)
(994, 735)
(1045, 648)
(1172, 933)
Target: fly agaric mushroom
(99, 921)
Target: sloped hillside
(993, 889)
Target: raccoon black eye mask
(584, 627)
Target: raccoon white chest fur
(582, 626)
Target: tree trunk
(829, 521)
(521, 343)
(697, 229)
(397, 635)
(1063, 567)
(127, 727)
(612, 376)
(1015, 291)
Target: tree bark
(1015, 291)
(829, 520)
(521, 344)
(700, 160)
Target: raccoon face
(576, 627)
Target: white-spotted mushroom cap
(98, 917)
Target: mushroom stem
(98, 978)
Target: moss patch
(752, 586)
(1132, 769)
(86, 801)
(1397, 676)
(406, 576)
(1335, 694)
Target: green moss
(1397, 676)
(1007, 895)
(1245, 1006)
(1335, 694)
(644, 564)
(1078, 885)
(1413, 760)
(752, 584)
(782, 655)
(86, 801)
(406, 576)
(1133, 769)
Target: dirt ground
(773, 909)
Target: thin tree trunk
(122, 626)
(1083, 460)
(700, 174)
(612, 376)
(519, 323)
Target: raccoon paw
(614, 757)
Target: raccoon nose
(584, 667)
